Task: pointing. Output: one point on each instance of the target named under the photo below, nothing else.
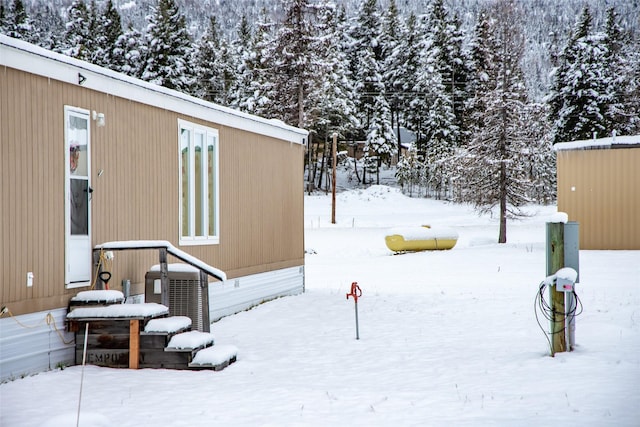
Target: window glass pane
(79, 206)
(78, 138)
(211, 180)
(185, 137)
(200, 160)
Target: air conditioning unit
(186, 295)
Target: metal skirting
(34, 345)
(242, 293)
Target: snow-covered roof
(36, 60)
(600, 143)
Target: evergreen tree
(259, 66)
(130, 53)
(48, 28)
(451, 61)
(108, 31)
(364, 56)
(214, 73)
(539, 158)
(298, 66)
(481, 70)
(433, 119)
(581, 93)
(381, 140)
(17, 23)
(494, 170)
(409, 170)
(241, 49)
(620, 115)
(393, 60)
(329, 105)
(78, 41)
(168, 48)
(2, 17)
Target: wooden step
(217, 357)
(178, 353)
(158, 332)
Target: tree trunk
(398, 132)
(324, 156)
(502, 238)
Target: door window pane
(79, 206)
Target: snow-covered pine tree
(259, 66)
(214, 66)
(393, 60)
(169, 48)
(494, 170)
(17, 23)
(241, 51)
(409, 170)
(129, 53)
(447, 39)
(539, 159)
(78, 38)
(47, 27)
(296, 67)
(108, 31)
(431, 116)
(364, 56)
(2, 17)
(329, 106)
(381, 140)
(481, 69)
(620, 115)
(581, 94)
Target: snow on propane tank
(424, 238)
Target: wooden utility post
(334, 160)
(134, 343)
(556, 241)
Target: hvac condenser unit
(186, 295)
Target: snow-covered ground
(446, 338)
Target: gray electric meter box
(571, 248)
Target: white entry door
(78, 197)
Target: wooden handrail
(164, 247)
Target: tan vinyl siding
(606, 196)
(136, 197)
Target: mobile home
(89, 156)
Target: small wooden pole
(164, 278)
(134, 343)
(556, 237)
(204, 288)
(333, 178)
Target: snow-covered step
(189, 341)
(158, 332)
(168, 325)
(217, 357)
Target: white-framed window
(198, 179)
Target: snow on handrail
(164, 244)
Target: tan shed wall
(136, 197)
(606, 196)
